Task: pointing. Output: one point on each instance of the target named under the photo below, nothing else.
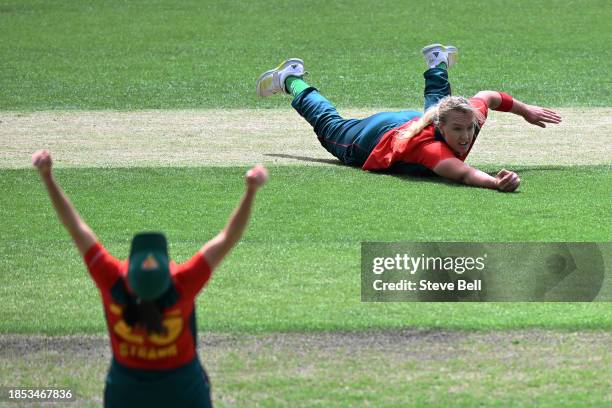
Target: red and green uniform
(151, 369)
(372, 143)
(420, 153)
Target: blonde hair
(439, 113)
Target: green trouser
(186, 386)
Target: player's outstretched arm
(215, 250)
(80, 232)
(456, 170)
(535, 115)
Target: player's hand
(540, 116)
(507, 181)
(41, 159)
(256, 177)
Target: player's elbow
(464, 176)
(453, 169)
(227, 239)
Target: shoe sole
(279, 68)
(452, 52)
(449, 48)
(427, 48)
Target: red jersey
(133, 347)
(425, 149)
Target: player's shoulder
(98, 254)
(482, 109)
(478, 102)
(197, 263)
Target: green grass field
(283, 314)
(298, 263)
(406, 368)
(164, 54)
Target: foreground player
(149, 303)
(408, 142)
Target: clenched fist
(256, 177)
(41, 159)
(507, 181)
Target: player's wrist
(496, 182)
(506, 104)
(251, 189)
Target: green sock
(295, 85)
(442, 65)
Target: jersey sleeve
(433, 153)
(482, 107)
(192, 275)
(102, 266)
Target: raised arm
(80, 232)
(456, 170)
(535, 115)
(215, 250)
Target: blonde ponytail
(439, 113)
(417, 126)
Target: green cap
(148, 268)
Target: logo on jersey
(149, 263)
(136, 342)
